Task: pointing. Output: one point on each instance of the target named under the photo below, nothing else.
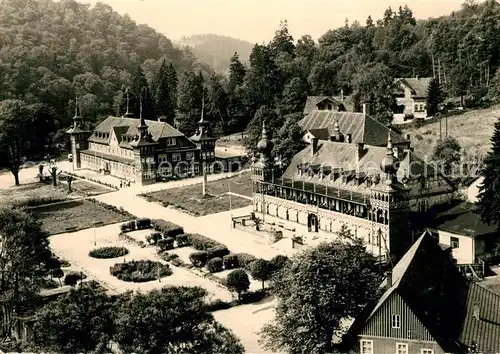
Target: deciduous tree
(238, 281)
(289, 139)
(446, 155)
(262, 270)
(16, 135)
(80, 321)
(323, 286)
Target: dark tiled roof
(442, 299)
(128, 126)
(312, 101)
(418, 86)
(363, 128)
(336, 155)
(463, 219)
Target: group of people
(124, 183)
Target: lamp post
(93, 222)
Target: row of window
(420, 107)
(176, 157)
(366, 347)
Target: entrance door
(312, 222)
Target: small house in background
(229, 159)
(329, 103)
(411, 98)
(470, 239)
(428, 307)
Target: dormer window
(330, 107)
(171, 142)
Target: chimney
(314, 144)
(341, 95)
(366, 108)
(475, 312)
(416, 77)
(360, 151)
(388, 277)
(396, 153)
(349, 138)
(407, 137)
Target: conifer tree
(173, 82)
(489, 191)
(140, 88)
(163, 96)
(434, 97)
(189, 102)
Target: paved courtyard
(75, 247)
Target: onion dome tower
(263, 168)
(389, 208)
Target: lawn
(472, 129)
(189, 198)
(76, 215)
(35, 190)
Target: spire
(389, 164)
(265, 145)
(127, 113)
(77, 119)
(143, 127)
(337, 134)
(389, 141)
(202, 121)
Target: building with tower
(140, 150)
(376, 191)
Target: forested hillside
(216, 50)
(51, 51)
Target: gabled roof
(128, 126)
(418, 86)
(362, 127)
(313, 101)
(462, 219)
(333, 155)
(442, 299)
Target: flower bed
(108, 252)
(140, 271)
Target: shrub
(199, 258)
(230, 261)
(178, 262)
(143, 223)
(64, 263)
(167, 228)
(217, 251)
(153, 238)
(181, 240)
(37, 201)
(128, 226)
(203, 243)
(262, 270)
(238, 281)
(108, 252)
(217, 305)
(140, 271)
(166, 244)
(253, 296)
(244, 260)
(279, 262)
(215, 265)
(72, 278)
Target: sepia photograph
(250, 176)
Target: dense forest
(216, 50)
(53, 51)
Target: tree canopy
(316, 291)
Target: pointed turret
(143, 127)
(77, 118)
(203, 133)
(390, 163)
(144, 138)
(337, 134)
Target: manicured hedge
(154, 237)
(203, 243)
(182, 240)
(199, 258)
(166, 243)
(108, 252)
(37, 201)
(140, 271)
(217, 251)
(167, 228)
(244, 260)
(215, 265)
(230, 261)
